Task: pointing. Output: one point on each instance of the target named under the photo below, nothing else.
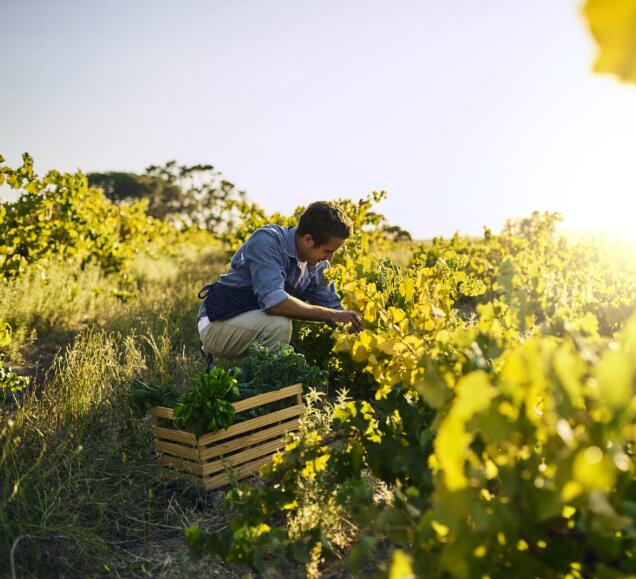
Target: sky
(467, 113)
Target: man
(274, 277)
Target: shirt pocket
(304, 281)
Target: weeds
(81, 493)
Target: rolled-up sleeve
(321, 293)
(264, 254)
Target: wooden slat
(248, 439)
(167, 460)
(162, 412)
(268, 397)
(243, 463)
(241, 405)
(172, 434)
(245, 456)
(179, 450)
(252, 424)
(241, 472)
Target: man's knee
(231, 338)
(280, 329)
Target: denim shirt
(268, 264)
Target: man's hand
(348, 317)
(298, 310)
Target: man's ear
(308, 241)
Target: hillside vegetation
(480, 425)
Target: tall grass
(80, 491)
(51, 304)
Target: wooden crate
(244, 447)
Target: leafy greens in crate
(207, 405)
(263, 371)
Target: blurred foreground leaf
(613, 25)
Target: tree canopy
(194, 195)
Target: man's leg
(230, 338)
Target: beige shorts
(230, 338)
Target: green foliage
(207, 405)
(61, 217)
(10, 382)
(264, 370)
(82, 493)
(5, 334)
(315, 342)
(142, 395)
(492, 433)
(78, 474)
(500, 441)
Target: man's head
(322, 229)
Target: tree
(184, 195)
(396, 233)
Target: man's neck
(301, 257)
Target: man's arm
(299, 310)
(264, 253)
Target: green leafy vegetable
(142, 395)
(207, 405)
(264, 370)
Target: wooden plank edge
(177, 449)
(248, 439)
(251, 424)
(241, 405)
(172, 434)
(162, 412)
(268, 397)
(245, 456)
(241, 472)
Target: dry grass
(81, 493)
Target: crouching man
(274, 277)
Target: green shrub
(10, 382)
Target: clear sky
(465, 112)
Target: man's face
(313, 254)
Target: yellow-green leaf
(593, 470)
(401, 566)
(474, 393)
(613, 25)
(370, 312)
(407, 289)
(614, 375)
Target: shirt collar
(291, 251)
(290, 243)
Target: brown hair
(323, 220)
